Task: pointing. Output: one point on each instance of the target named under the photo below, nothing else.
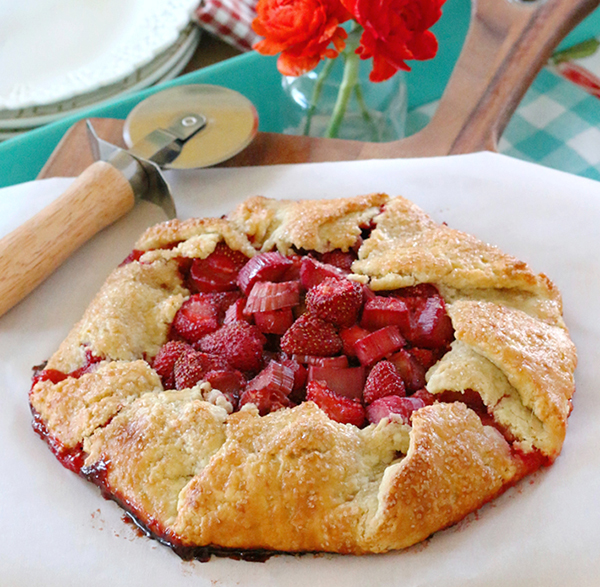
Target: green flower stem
(364, 110)
(349, 81)
(321, 78)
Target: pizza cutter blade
(179, 128)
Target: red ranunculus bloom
(394, 31)
(302, 30)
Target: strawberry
(346, 381)
(340, 259)
(411, 370)
(312, 272)
(198, 316)
(384, 379)
(339, 362)
(339, 408)
(219, 271)
(381, 311)
(267, 296)
(427, 357)
(338, 301)
(240, 343)
(274, 321)
(379, 344)
(393, 406)
(165, 360)
(310, 335)
(423, 394)
(191, 367)
(264, 267)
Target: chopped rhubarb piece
(339, 362)
(311, 336)
(380, 311)
(240, 343)
(264, 267)
(368, 293)
(219, 271)
(338, 301)
(423, 394)
(350, 336)
(292, 273)
(340, 259)
(393, 407)
(235, 312)
(300, 373)
(412, 293)
(198, 316)
(384, 379)
(413, 373)
(427, 357)
(274, 321)
(266, 296)
(379, 344)
(347, 381)
(339, 408)
(431, 326)
(167, 356)
(274, 377)
(265, 400)
(313, 272)
(470, 398)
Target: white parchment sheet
(56, 530)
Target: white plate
(162, 68)
(58, 531)
(54, 50)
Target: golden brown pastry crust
(295, 480)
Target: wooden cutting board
(508, 42)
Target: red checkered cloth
(230, 20)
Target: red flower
(302, 30)
(394, 31)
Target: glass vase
(372, 111)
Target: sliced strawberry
(381, 311)
(413, 373)
(347, 381)
(384, 379)
(189, 369)
(393, 406)
(379, 344)
(198, 316)
(339, 408)
(431, 326)
(264, 267)
(350, 336)
(340, 259)
(338, 301)
(235, 312)
(265, 400)
(165, 360)
(339, 362)
(274, 321)
(312, 272)
(219, 271)
(266, 296)
(311, 336)
(240, 343)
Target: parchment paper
(56, 530)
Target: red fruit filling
(218, 272)
(338, 407)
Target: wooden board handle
(29, 254)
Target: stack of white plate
(59, 57)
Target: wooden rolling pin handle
(29, 254)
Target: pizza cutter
(179, 128)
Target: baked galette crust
(295, 480)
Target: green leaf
(578, 51)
